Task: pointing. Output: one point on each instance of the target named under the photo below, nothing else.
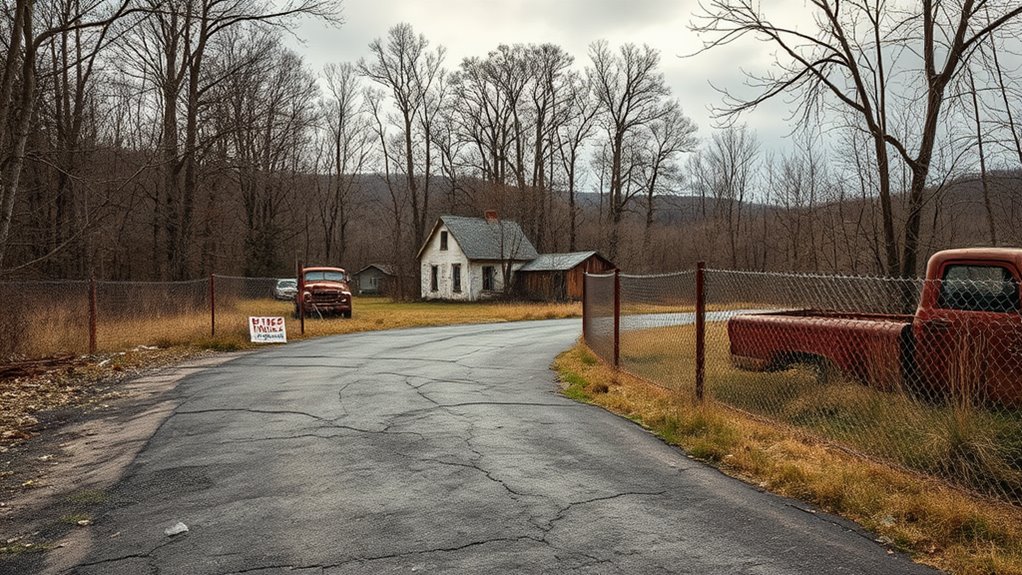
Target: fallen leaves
(31, 387)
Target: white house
(465, 258)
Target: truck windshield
(979, 288)
(329, 276)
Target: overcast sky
(474, 27)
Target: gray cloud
(474, 27)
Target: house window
(456, 277)
(443, 240)
(434, 281)
(487, 278)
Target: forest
(172, 139)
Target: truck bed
(869, 347)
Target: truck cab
(323, 291)
(967, 330)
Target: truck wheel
(346, 314)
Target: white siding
(471, 271)
(444, 260)
(477, 279)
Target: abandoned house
(374, 279)
(469, 259)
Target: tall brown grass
(56, 329)
(938, 524)
(959, 440)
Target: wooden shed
(559, 277)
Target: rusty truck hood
(321, 285)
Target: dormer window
(443, 240)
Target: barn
(559, 276)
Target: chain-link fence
(43, 318)
(926, 375)
(598, 319)
(53, 318)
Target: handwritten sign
(267, 329)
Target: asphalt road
(441, 450)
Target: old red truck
(322, 291)
(965, 335)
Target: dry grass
(55, 330)
(937, 524)
(977, 448)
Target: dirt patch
(57, 465)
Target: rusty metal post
(700, 328)
(93, 315)
(212, 305)
(301, 299)
(585, 310)
(617, 317)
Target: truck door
(969, 337)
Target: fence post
(93, 312)
(617, 317)
(212, 305)
(700, 328)
(585, 281)
(301, 299)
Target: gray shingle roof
(384, 268)
(482, 240)
(556, 262)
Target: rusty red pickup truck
(322, 291)
(966, 334)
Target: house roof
(384, 268)
(486, 240)
(557, 262)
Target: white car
(286, 289)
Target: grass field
(55, 330)
(938, 524)
(974, 447)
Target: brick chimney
(491, 216)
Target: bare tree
(572, 135)
(857, 58)
(351, 145)
(408, 70)
(669, 136)
(272, 115)
(18, 82)
(629, 88)
(981, 150)
(172, 49)
(730, 163)
(547, 106)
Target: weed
(88, 497)
(21, 548)
(223, 345)
(587, 358)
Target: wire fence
(926, 375)
(46, 319)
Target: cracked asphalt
(438, 450)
